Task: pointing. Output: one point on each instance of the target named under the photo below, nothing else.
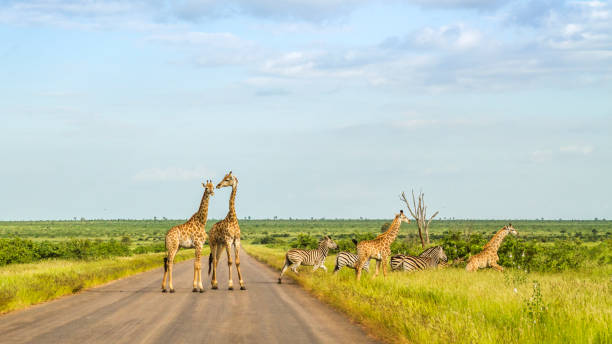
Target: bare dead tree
(419, 213)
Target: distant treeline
(17, 250)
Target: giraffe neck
(202, 215)
(496, 241)
(231, 214)
(391, 233)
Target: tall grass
(22, 285)
(452, 305)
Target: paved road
(133, 310)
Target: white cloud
(541, 155)
(577, 149)
(456, 36)
(172, 174)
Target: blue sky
(118, 109)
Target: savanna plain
(556, 285)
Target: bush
(18, 250)
(305, 241)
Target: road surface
(133, 310)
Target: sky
(322, 108)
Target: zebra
(430, 258)
(295, 257)
(349, 259)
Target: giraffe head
(228, 180)
(327, 241)
(402, 217)
(209, 188)
(511, 229)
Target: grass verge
(452, 305)
(22, 285)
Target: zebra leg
(295, 266)
(337, 266)
(323, 267)
(283, 269)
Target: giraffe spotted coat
(488, 257)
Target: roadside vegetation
(451, 305)
(22, 285)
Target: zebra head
(511, 229)
(441, 254)
(328, 242)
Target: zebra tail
(165, 264)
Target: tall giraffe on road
(190, 234)
(379, 248)
(225, 233)
(488, 256)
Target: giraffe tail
(165, 264)
(354, 241)
(209, 262)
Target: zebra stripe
(348, 259)
(430, 258)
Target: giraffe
(189, 234)
(488, 256)
(223, 234)
(380, 247)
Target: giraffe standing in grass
(223, 234)
(380, 247)
(488, 256)
(190, 234)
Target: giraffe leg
(377, 268)
(165, 274)
(384, 265)
(230, 283)
(360, 263)
(216, 256)
(171, 246)
(237, 259)
(197, 266)
(495, 266)
(200, 278)
(170, 266)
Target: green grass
(452, 305)
(22, 285)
